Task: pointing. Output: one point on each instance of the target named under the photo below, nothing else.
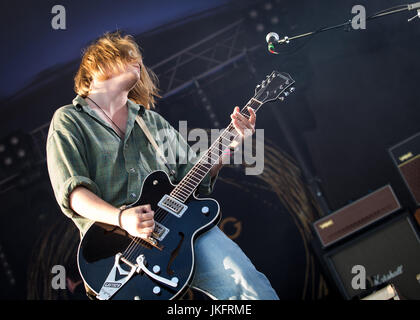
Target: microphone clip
(416, 16)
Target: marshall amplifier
(406, 156)
(385, 254)
(356, 215)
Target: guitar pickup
(172, 205)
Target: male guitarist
(97, 156)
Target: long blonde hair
(108, 56)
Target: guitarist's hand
(244, 126)
(138, 221)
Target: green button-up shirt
(84, 150)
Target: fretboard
(202, 167)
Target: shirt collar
(81, 104)
(134, 109)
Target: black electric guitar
(116, 265)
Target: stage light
(21, 153)
(268, 6)
(15, 153)
(253, 14)
(14, 140)
(260, 27)
(8, 161)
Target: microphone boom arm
(386, 12)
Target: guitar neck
(193, 178)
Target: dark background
(357, 94)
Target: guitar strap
(149, 136)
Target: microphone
(274, 41)
(272, 37)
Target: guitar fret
(191, 177)
(257, 101)
(201, 170)
(180, 192)
(185, 185)
(217, 155)
(227, 139)
(176, 197)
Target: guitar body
(175, 255)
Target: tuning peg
(286, 93)
(281, 98)
(292, 89)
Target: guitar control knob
(205, 210)
(156, 269)
(175, 279)
(156, 290)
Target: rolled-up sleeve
(67, 168)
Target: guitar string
(135, 243)
(207, 153)
(178, 189)
(129, 250)
(159, 210)
(184, 181)
(160, 213)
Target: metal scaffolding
(200, 60)
(176, 73)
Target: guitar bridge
(172, 205)
(160, 231)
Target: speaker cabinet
(357, 215)
(406, 157)
(389, 253)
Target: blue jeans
(224, 272)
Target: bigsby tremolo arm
(142, 267)
(112, 285)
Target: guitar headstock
(277, 85)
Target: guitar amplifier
(385, 254)
(357, 215)
(406, 156)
